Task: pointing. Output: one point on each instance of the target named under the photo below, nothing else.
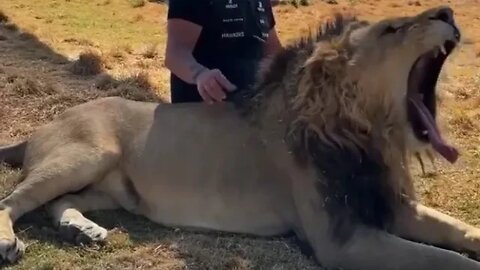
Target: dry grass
(297, 3)
(127, 48)
(149, 50)
(104, 81)
(79, 42)
(24, 86)
(463, 123)
(136, 3)
(3, 17)
(134, 86)
(137, 18)
(143, 64)
(116, 55)
(116, 52)
(36, 87)
(10, 26)
(88, 63)
(104, 3)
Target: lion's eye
(390, 30)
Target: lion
(318, 147)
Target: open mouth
(421, 101)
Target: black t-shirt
(232, 39)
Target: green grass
(105, 23)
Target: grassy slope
(123, 35)
(106, 23)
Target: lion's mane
(353, 140)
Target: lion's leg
(423, 224)
(69, 169)
(73, 226)
(370, 249)
(113, 192)
(367, 248)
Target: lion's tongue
(447, 151)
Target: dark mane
(286, 63)
(353, 177)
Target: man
(214, 46)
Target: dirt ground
(39, 78)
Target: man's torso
(232, 40)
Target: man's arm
(182, 36)
(272, 44)
(181, 40)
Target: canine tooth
(442, 48)
(435, 52)
(425, 132)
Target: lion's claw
(11, 251)
(82, 232)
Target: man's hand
(212, 84)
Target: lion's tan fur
(208, 167)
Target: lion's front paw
(472, 245)
(82, 231)
(11, 250)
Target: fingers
(224, 82)
(212, 86)
(215, 90)
(211, 92)
(205, 96)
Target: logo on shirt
(231, 5)
(260, 7)
(229, 20)
(233, 35)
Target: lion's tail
(13, 154)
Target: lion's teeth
(442, 48)
(425, 132)
(435, 52)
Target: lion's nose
(444, 14)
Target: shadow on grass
(140, 229)
(25, 49)
(198, 249)
(28, 45)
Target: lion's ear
(323, 53)
(325, 62)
